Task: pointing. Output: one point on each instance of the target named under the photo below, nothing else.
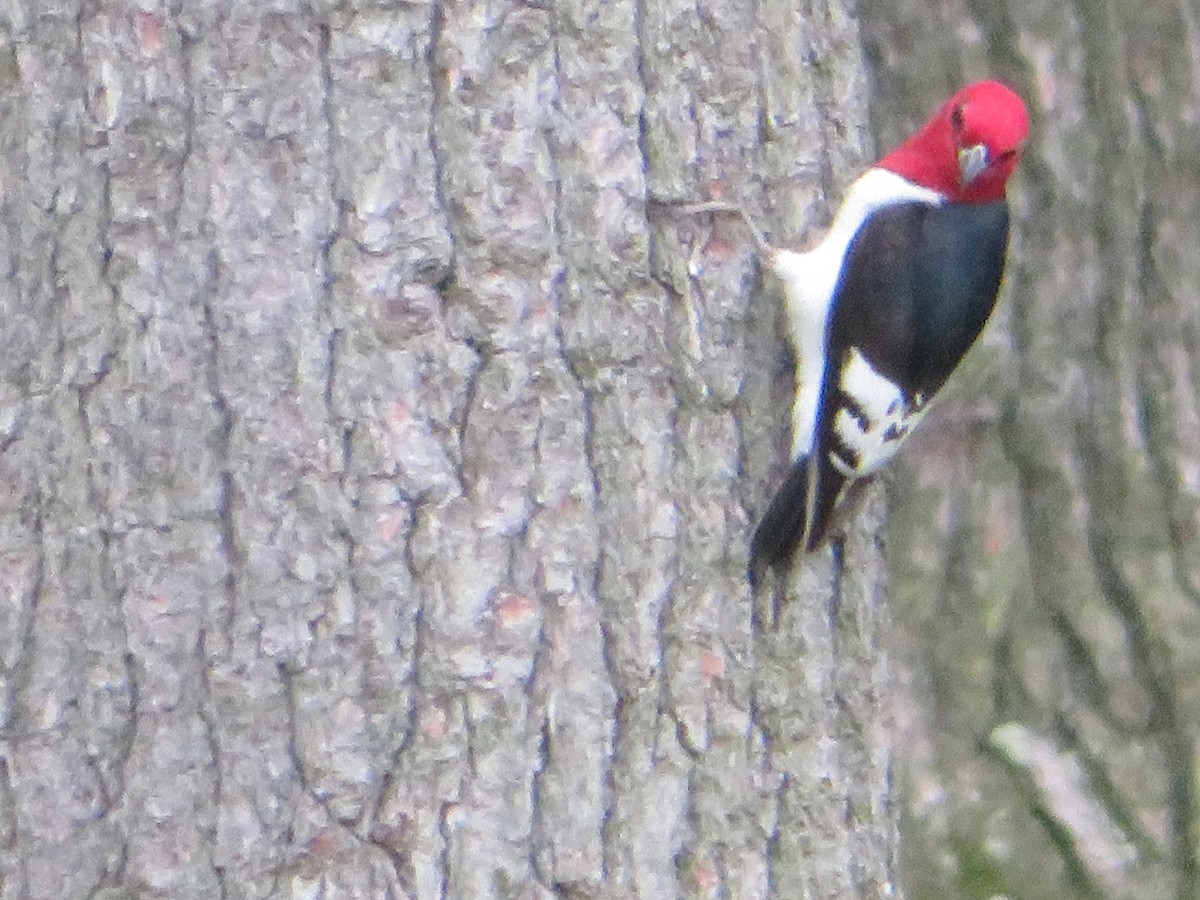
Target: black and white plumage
(883, 309)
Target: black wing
(918, 285)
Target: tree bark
(378, 467)
(1045, 554)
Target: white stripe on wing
(873, 425)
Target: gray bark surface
(377, 471)
(1044, 550)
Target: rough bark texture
(377, 469)
(1046, 548)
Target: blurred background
(1044, 541)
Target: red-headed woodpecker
(883, 309)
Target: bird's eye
(956, 118)
(1008, 155)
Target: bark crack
(437, 100)
(341, 427)
(541, 846)
(774, 838)
(110, 773)
(204, 652)
(379, 836)
(483, 356)
(325, 259)
(187, 50)
(643, 126)
(287, 679)
(225, 511)
(208, 720)
(16, 682)
(594, 583)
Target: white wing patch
(872, 425)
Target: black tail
(789, 523)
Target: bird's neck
(930, 159)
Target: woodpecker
(882, 310)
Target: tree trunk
(378, 467)
(1046, 556)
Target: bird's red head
(970, 146)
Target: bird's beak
(971, 163)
